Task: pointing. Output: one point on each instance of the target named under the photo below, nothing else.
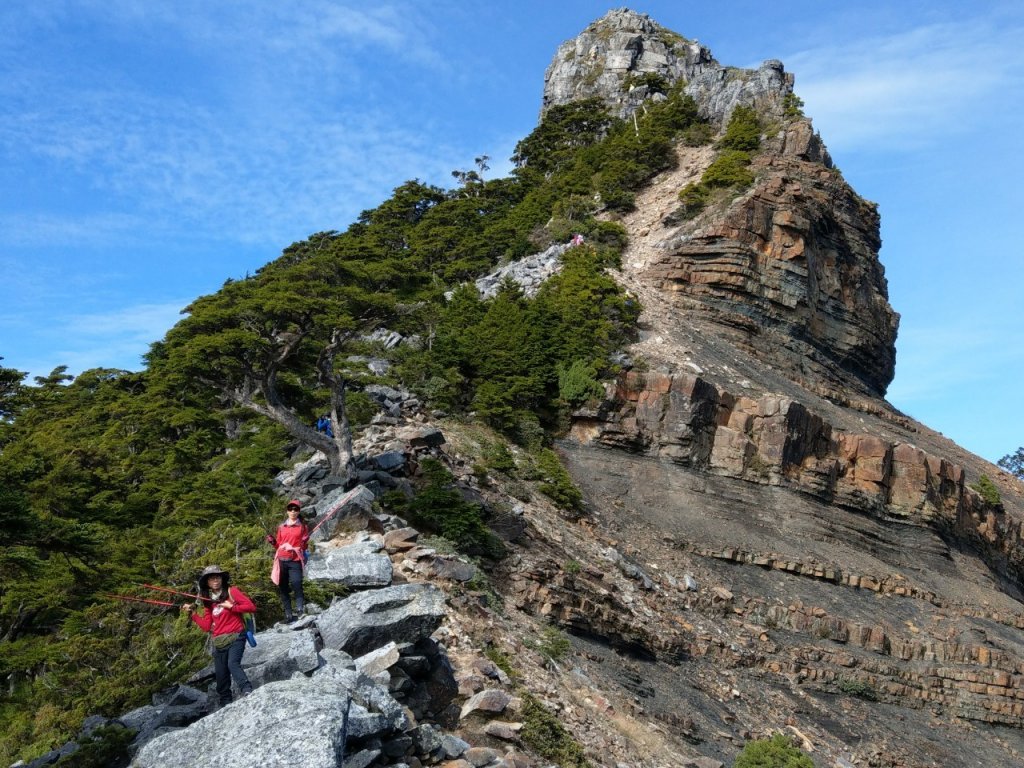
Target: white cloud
(911, 89)
(296, 144)
(115, 339)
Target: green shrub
(655, 82)
(793, 106)
(439, 507)
(547, 737)
(988, 491)
(698, 134)
(482, 585)
(554, 644)
(694, 197)
(776, 752)
(500, 659)
(106, 747)
(729, 169)
(859, 688)
(361, 408)
(498, 457)
(557, 484)
(743, 132)
(578, 383)
(572, 567)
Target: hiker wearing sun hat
(290, 560)
(222, 618)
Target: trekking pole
(176, 592)
(343, 741)
(131, 599)
(246, 489)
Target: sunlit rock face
(610, 58)
(789, 270)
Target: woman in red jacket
(290, 560)
(222, 617)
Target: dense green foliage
(776, 752)
(557, 485)
(1014, 463)
(859, 688)
(989, 492)
(438, 507)
(730, 170)
(113, 478)
(743, 133)
(547, 737)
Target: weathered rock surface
(300, 721)
(359, 565)
(789, 272)
(607, 59)
(336, 506)
(362, 622)
(776, 441)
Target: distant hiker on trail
(290, 560)
(323, 424)
(222, 617)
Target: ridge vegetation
(115, 478)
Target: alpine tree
(1014, 463)
(11, 391)
(262, 343)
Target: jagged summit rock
(788, 270)
(625, 57)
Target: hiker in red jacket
(290, 560)
(223, 606)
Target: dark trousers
(227, 664)
(291, 581)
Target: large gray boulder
(363, 622)
(336, 506)
(359, 564)
(280, 653)
(282, 724)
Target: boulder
(279, 653)
(368, 620)
(338, 505)
(344, 565)
(491, 700)
(379, 660)
(401, 539)
(301, 721)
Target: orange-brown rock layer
(775, 440)
(790, 270)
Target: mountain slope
(853, 587)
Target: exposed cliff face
(609, 58)
(790, 270)
(787, 551)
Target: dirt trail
(647, 231)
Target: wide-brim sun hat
(212, 570)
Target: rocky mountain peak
(625, 57)
(786, 268)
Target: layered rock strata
(790, 272)
(777, 441)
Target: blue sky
(149, 151)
